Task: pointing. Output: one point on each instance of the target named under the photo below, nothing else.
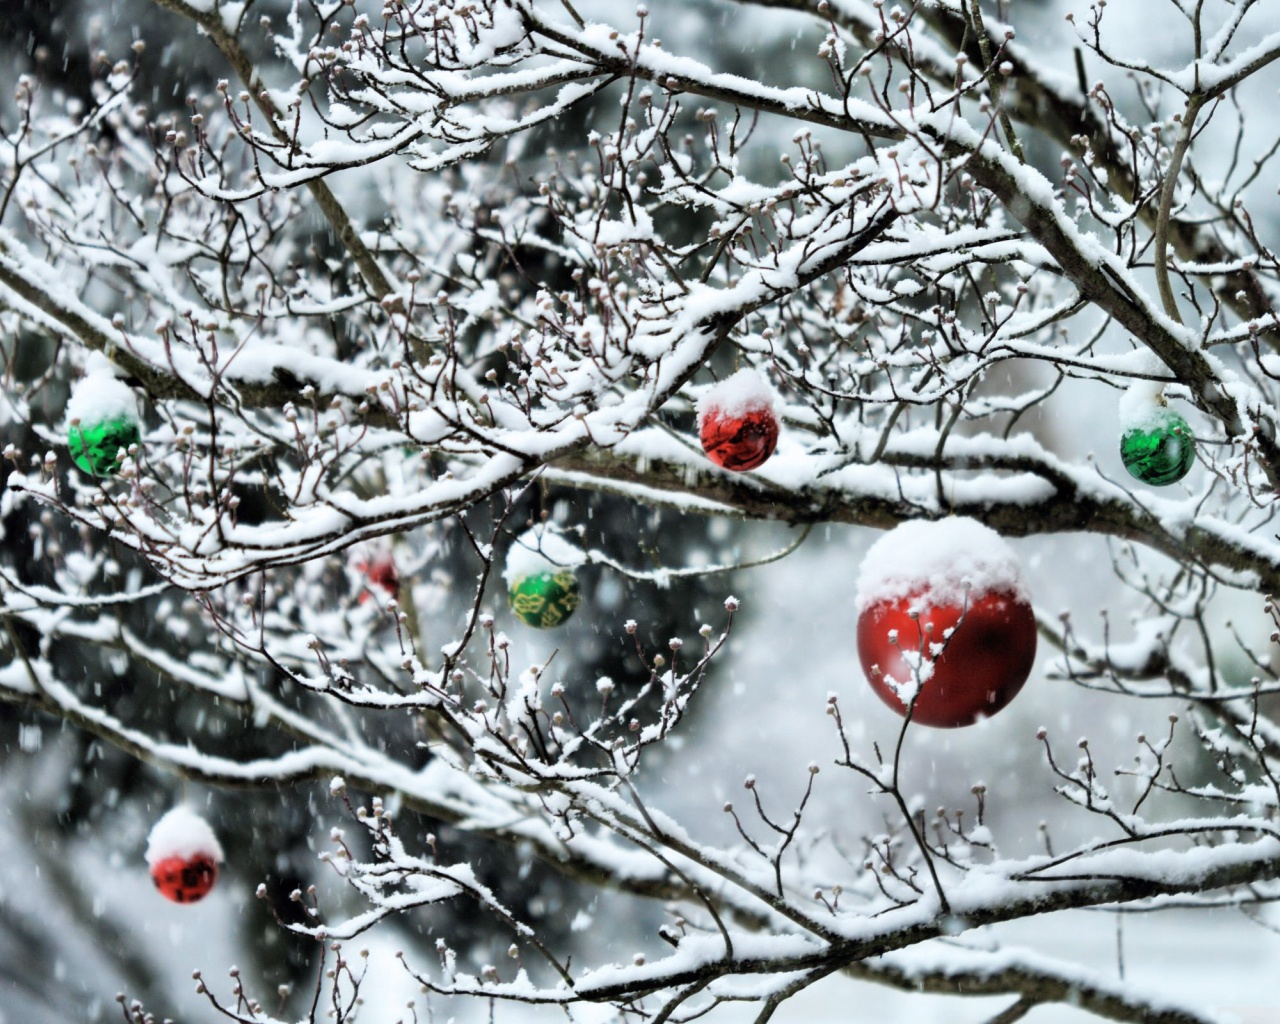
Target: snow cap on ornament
(1156, 443)
(102, 419)
(183, 854)
(945, 627)
(738, 421)
(542, 583)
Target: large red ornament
(184, 880)
(972, 660)
(737, 422)
(741, 442)
(945, 629)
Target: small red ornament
(945, 629)
(184, 880)
(737, 422)
(183, 854)
(379, 572)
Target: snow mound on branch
(952, 557)
(100, 396)
(737, 395)
(1143, 408)
(182, 833)
(542, 549)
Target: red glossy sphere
(739, 442)
(967, 675)
(380, 573)
(184, 880)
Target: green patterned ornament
(1161, 450)
(98, 448)
(542, 583)
(545, 599)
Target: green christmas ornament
(1159, 450)
(545, 599)
(97, 448)
(542, 584)
(102, 418)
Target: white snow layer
(737, 395)
(100, 396)
(182, 833)
(951, 557)
(542, 549)
(1143, 408)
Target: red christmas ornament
(183, 854)
(737, 422)
(381, 573)
(184, 880)
(945, 628)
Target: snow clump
(737, 395)
(952, 558)
(1143, 407)
(182, 833)
(100, 396)
(542, 549)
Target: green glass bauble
(1160, 452)
(97, 447)
(545, 599)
